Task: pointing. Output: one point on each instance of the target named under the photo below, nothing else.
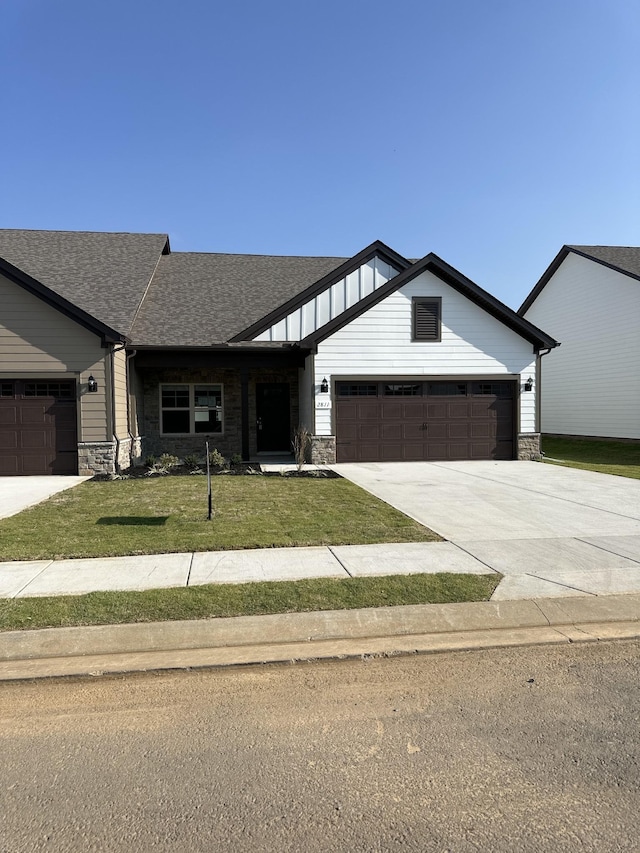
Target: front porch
(245, 405)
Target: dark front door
(272, 417)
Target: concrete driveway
(548, 529)
(18, 493)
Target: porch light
(528, 385)
(324, 386)
(92, 385)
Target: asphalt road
(532, 749)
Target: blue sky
(488, 131)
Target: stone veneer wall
(529, 446)
(228, 442)
(96, 457)
(323, 449)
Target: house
(113, 348)
(589, 298)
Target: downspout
(128, 380)
(539, 356)
(114, 350)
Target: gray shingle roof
(199, 299)
(103, 273)
(624, 258)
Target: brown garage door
(38, 432)
(385, 421)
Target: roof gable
(328, 298)
(432, 263)
(103, 275)
(622, 259)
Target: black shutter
(426, 319)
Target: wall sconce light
(528, 385)
(324, 386)
(92, 385)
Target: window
(48, 389)
(447, 389)
(503, 390)
(402, 390)
(187, 409)
(6, 389)
(426, 318)
(357, 389)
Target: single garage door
(385, 421)
(38, 427)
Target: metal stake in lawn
(208, 482)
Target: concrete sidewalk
(337, 634)
(547, 568)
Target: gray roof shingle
(103, 273)
(200, 299)
(624, 258)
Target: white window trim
(192, 408)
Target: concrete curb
(319, 635)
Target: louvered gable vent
(426, 319)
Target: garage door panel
(457, 431)
(369, 432)
(8, 465)
(392, 432)
(367, 410)
(481, 430)
(413, 411)
(38, 434)
(478, 424)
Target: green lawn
(607, 457)
(202, 602)
(169, 514)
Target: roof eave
(64, 306)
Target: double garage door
(387, 420)
(38, 427)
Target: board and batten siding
(378, 343)
(37, 341)
(331, 302)
(591, 383)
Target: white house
(589, 298)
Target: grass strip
(248, 599)
(169, 515)
(619, 458)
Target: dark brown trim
(432, 263)
(377, 248)
(551, 269)
(41, 291)
(273, 359)
(421, 300)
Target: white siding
(331, 302)
(591, 383)
(378, 343)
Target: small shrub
(236, 459)
(150, 461)
(301, 443)
(216, 459)
(191, 461)
(168, 461)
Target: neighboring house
(113, 348)
(589, 298)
